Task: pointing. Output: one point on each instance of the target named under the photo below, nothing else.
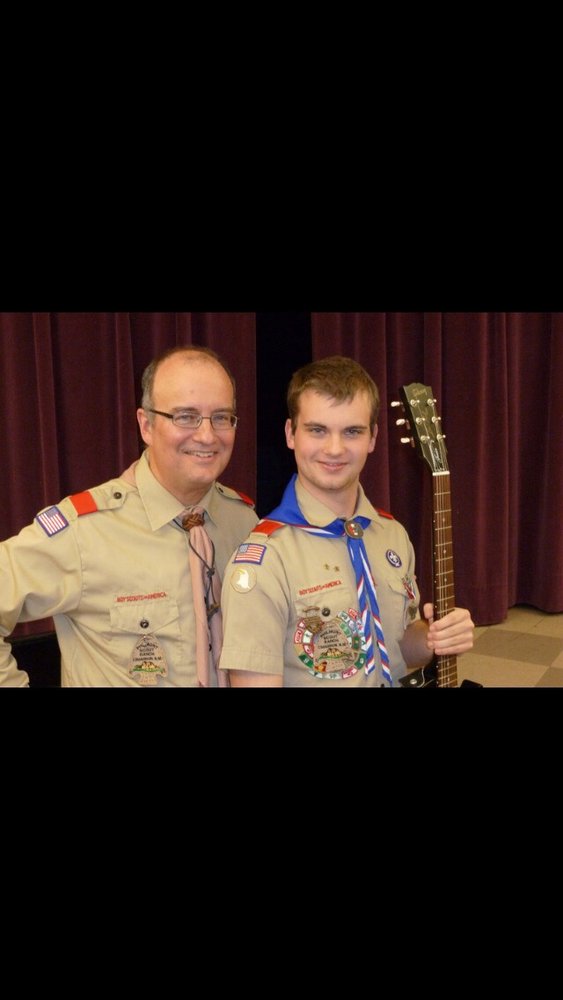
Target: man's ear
(289, 435)
(144, 425)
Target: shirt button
(144, 623)
(117, 496)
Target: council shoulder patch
(52, 521)
(243, 580)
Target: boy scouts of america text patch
(52, 521)
(249, 552)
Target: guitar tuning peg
(396, 402)
(408, 441)
(400, 422)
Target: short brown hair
(337, 377)
(147, 382)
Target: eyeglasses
(184, 418)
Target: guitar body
(424, 423)
(427, 677)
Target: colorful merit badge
(331, 649)
(52, 521)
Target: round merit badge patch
(393, 558)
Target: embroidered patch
(393, 558)
(250, 552)
(243, 580)
(319, 586)
(148, 661)
(141, 597)
(408, 584)
(52, 521)
(331, 649)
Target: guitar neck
(443, 564)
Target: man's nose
(205, 431)
(334, 444)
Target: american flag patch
(250, 553)
(52, 521)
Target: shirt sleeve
(40, 575)
(255, 607)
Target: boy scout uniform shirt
(290, 602)
(114, 577)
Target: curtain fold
(70, 386)
(498, 381)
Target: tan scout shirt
(290, 602)
(113, 577)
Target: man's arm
(447, 636)
(40, 576)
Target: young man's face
(186, 462)
(331, 443)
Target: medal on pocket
(148, 661)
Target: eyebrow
(194, 409)
(350, 427)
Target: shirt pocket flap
(144, 616)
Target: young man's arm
(452, 634)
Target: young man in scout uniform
(129, 570)
(323, 591)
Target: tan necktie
(206, 588)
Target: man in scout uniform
(323, 591)
(130, 569)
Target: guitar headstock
(424, 424)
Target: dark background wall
(283, 344)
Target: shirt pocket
(403, 608)
(137, 618)
(326, 603)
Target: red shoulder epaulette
(230, 491)
(384, 513)
(83, 503)
(246, 499)
(266, 527)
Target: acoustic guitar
(425, 434)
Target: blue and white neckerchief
(289, 512)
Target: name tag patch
(52, 521)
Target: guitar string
(447, 665)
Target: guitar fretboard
(444, 596)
